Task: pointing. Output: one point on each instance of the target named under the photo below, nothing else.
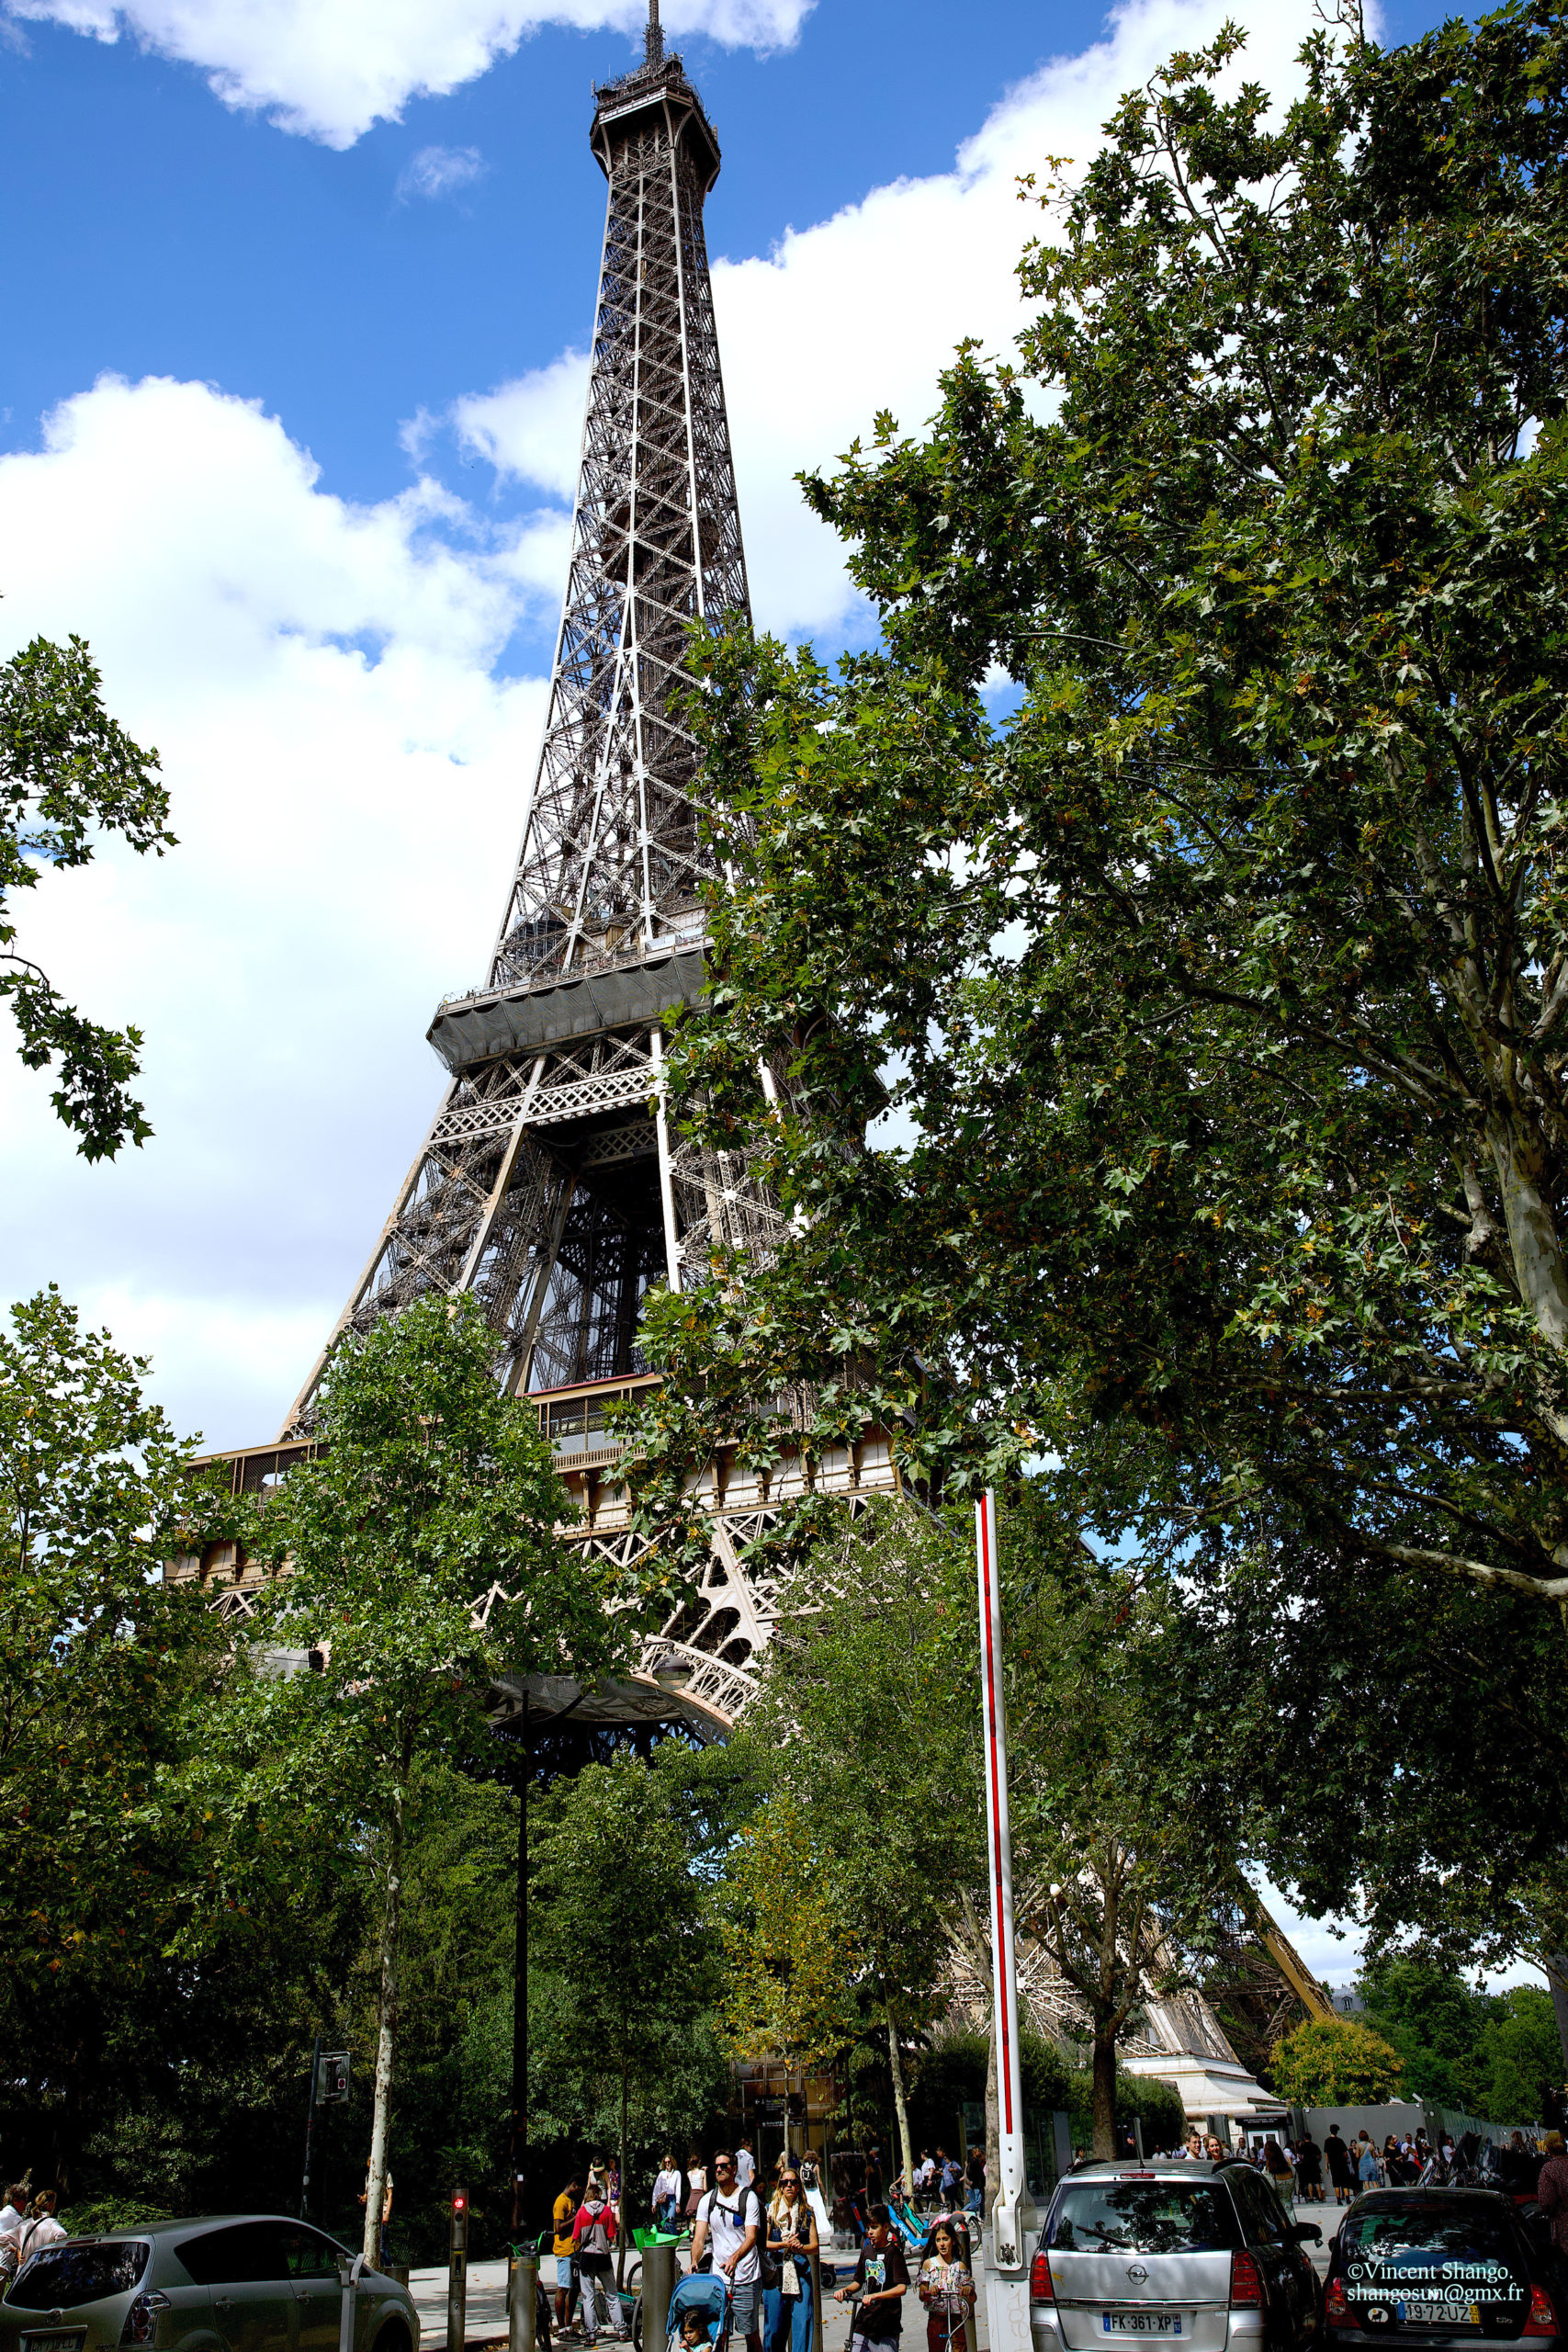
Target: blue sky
(295, 293)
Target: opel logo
(1137, 2271)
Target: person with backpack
(593, 2245)
(43, 2227)
(731, 2217)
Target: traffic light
(333, 2080)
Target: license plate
(66, 2340)
(1430, 2314)
(1140, 2323)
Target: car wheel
(394, 2337)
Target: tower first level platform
(707, 1648)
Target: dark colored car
(1201, 2253)
(1441, 2267)
(251, 2283)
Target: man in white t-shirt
(732, 2216)
(745, 2165)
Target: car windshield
(1443, 2253)
(63, 2277)
(1145, 2217)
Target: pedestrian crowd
(761, 2237)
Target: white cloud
(440, 171)
(329, 69)
(863, 311)
(529, 430)
(348, 779)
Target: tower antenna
(655, 34)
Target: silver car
(1202, 2255)
(251, 2283)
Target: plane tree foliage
(70, 775)
(1125, 1833)
(1220, 973)
(421, 1562)
(628, 1954)
(100, 1665)
(1396, 1746)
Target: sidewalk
(485, 2316)
(485, 2319)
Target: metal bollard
(348, 2276)
(658, 2286)
(522, 2301)
(457, 2274)
(815, 2259)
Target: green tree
(1520, 2055)
(621, 1921)
(870, 1736)
(100, 1665)
(1493, 2053)
(1334, 2061)
(1222, 980)
(68, 775)
(1125, 1829)
(790, 1958)
(1369, 1739)
(417, 1559)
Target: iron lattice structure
(544, 1186)
(552, 1182)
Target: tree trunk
(900, 2104)
(1104, 2140)
(621, 2199)
(1556, 1967)
(375, 2182)
(1532, 1231)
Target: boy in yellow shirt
(563, 2217)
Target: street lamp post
(1006, 2274)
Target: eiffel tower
(553, 1183)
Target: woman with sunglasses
(792, 2236)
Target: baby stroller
(706, 2292)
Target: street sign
(332, 2079)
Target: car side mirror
(1307, 2233)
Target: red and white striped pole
(1007, 2279)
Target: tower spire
(655, 35)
